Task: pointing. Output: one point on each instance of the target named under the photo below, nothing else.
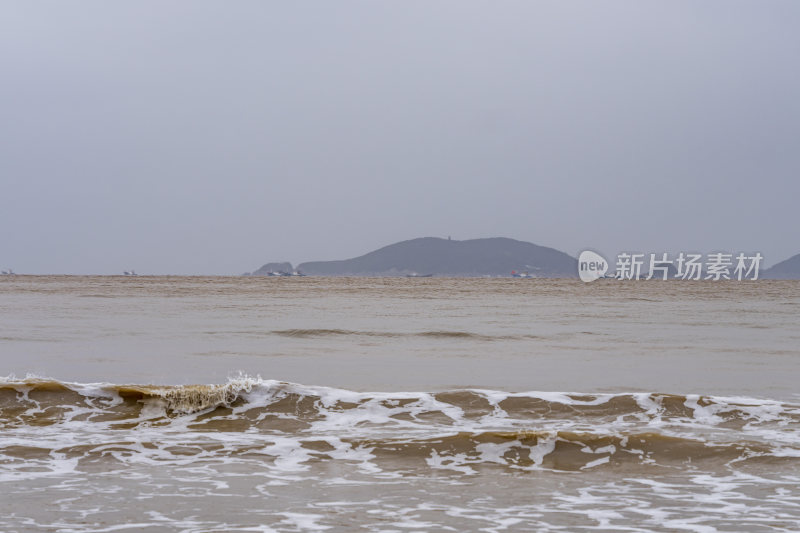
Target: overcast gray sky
(211, 137)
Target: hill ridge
(786, 269)
(491, 256)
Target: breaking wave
(459, 430)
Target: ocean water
(350, 404)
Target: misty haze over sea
(433, 204)
(201, 138)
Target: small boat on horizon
(283, 273)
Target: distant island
(788, 269)
(432, 256)
(273, 269)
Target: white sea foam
(275, 436)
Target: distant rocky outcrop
(444, 257)
(788, 269)
(271, 268)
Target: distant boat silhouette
(284, 273)
(8, 272)
(130, 273)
